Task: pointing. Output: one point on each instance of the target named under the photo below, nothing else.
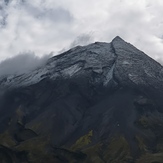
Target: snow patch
(97, 70)
(109, 76)
(126, 63)
(70, 71)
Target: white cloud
(45, 26)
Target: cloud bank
(49, 26)
(22, 63)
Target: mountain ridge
(56, 61)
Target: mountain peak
(117, 38)
(94, 103)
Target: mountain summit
(93, 104)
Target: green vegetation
(143, 121)
(36, 148)
(159, 146)
(118, 151)
(82, 141)
(94, 154)
(7, 140)
(150, 122)
(141, 144)
(36, 126)
(151, 158)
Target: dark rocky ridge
(99, 103)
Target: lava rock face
(100, 103)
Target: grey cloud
(56, 15)
(22, 63)
(3, 15)
(82, 40)
(40, 13)
(3, 21)
(6, 2)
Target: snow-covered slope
(117, 60)
(132, 65)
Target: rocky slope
(100, 103)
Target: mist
(83, 39)
(22, 63)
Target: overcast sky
(45, 26)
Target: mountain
(100, 103)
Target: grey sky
(44, 26)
